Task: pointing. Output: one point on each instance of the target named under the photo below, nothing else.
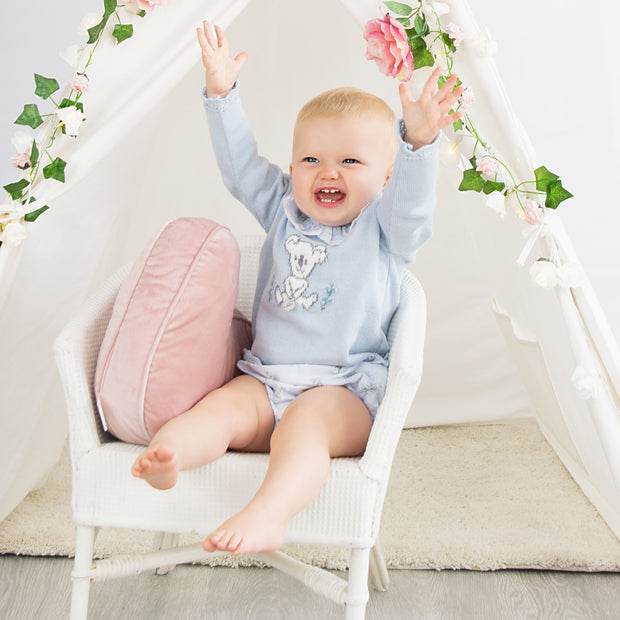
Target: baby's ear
(290, 169)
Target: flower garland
(408, 38)
(34, 157)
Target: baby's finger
(448, 119)
(202, 40)
(447, 88)
(222, 41)
(209, 35)
(405, 94)
(431, 83)
(450, 99)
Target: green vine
(41, 162)
(421, 35)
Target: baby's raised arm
(221, 71)
(426, 116)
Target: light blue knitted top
(325, 295)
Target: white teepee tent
(499, 348)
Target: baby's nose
(329, 172)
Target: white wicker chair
(346, 513)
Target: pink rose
(149, 5)
(388, 47)
(456, 33)
(21, 160)
(467, 98)
(488, 166)
(533, 212)
(80, 82)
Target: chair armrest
(76, 350)
(406, 336)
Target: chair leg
(379, 577)
(84, 542)
(357, 590)
(165, 540)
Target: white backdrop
(558, 63)
(549, 91)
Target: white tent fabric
(498, 347)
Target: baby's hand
(221, 71)
(425, 117)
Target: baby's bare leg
(321, 423)
(237, 415)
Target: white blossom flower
(13, 234)
(544, 273)
(22, 140)
(430, 9)
(570, 275)
(485, 45)
(439, 52)
(587, 382)
(88, 21)
(72, 54)
(496, 201)
(71, 118)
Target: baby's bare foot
(253, 530)
(158, 466)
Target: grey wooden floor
(39, 588)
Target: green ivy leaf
(556, 194)
(34, 154)
(472, 181)
(448, 42)
(399, 8)
(549, 182)
(458, 125)
(122, 32)
(421, 55)
(109, 6)
(405, 21)
(421, 26)
(45, 86)
(33, 215)
(543, 178)
(30, 116)
(492, 186)
(67, 103)
(55, 170)
(95, 31)
(141, 13)
(16, 190)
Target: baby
(341, 226)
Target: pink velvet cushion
(174, 334)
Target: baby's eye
(312, 160)
(350, 160)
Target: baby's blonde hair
(349, 101)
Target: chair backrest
(76, 350)
(250, 246)
(406, 336)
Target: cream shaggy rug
(470, 497)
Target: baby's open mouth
(329, 196)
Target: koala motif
(303, 257)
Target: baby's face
(339, 164)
